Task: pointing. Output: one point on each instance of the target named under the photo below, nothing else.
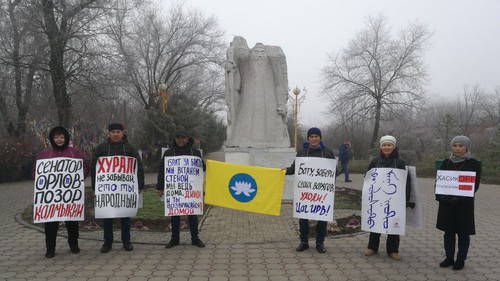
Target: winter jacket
(64, 151)
(456, 213)
(343, 154)
(322, 151)
(176, 150)
(392, 161)
(123, 148)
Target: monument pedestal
(274, 157)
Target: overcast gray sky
(465, 46)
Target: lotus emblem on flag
(242, 187)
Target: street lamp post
(296, 93)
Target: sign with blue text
(116, 187)
(314, 188)
(183, 190)
(383, 203)
(59, 190)
(458, 183)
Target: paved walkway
(245, 246)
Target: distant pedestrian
(59, 140)
(314, 147)
(182, 145)
(117, 144)
(344, 159)
(456, 213)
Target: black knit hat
(115, 126)
(314, 131)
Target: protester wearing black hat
(182, 145)
(456, 213)
(314, 147)
(117, 144)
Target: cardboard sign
(314, 188)
(59, 190)
(183, 190)
(458, 183)
(383, 208)
(116, 187)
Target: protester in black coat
(314, 147)
(389, 158)
(182, 145)
(456, 213)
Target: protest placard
(314, 188)
(458, 183)
(183, 190)
(116, 187)
(383, 203)
(414, 215)
(59, 190)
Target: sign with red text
(458, 183)
(183, 190)
(314, 188)
(383, 202)
(116, 187)
(59, 190)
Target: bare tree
(64, 22)
(381, 75)
(22, 51)
(181, 49)
(491, 108)
(469, 108)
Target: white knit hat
(389, 139)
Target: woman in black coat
(388, 158)
(456, 213)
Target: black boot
(447, 262)
(302, 247)
(459, 264)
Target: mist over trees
(86, 63)
(83, 64)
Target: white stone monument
(256, 94)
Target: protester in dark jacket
(344, 159)
(456, 213)
(314, 147)
(59, 140)
(388, 158)
(182, 145)
(117, 144)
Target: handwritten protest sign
(183, 190)
(59, 190)
(459, 183)
(314, 188)
(414, 216)
(116, 187)
(383, 206)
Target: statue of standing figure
(256, 93)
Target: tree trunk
(376, 127)
(56, 64)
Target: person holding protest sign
(314, 147)
(59, 140)
(456, 213)
(117, 145)
(388, 158)
(182, 145)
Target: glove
(410, 205)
